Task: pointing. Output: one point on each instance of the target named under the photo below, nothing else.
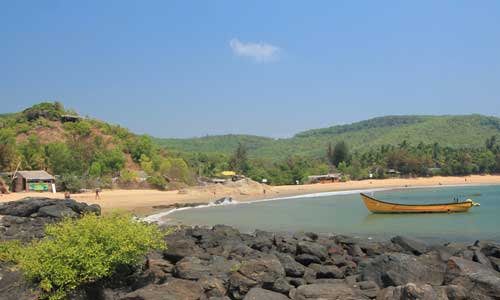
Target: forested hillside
(87, 153)
(83, 152)
(467, 131)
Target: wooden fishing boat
(377, 206)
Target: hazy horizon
(180, 69)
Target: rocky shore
(220, 263)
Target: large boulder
(413, 246)
(56, 211)
(325, 291)
(13, 285)
(313, 249)
(264, 270)
(262, 294)
(480, 281)
(292, 268)
(394, 269)
(175, 289)
(194, 268)
(36, 206)
(411, 291)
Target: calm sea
(346, 214)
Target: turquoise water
(346, 214)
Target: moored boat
(378, 206)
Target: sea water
(346, 214)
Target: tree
(144, 145)
(486, 162)
(340, 153)
(491, 143)
(8, 150)
(239, 160)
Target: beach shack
(327, 178)
(32, 181)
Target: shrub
(10, 251)
(69, 182)
(86, 250)
(157, 182)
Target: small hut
(327, 178)
(32, 181)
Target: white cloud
(260, 52)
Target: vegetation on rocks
(82, 251)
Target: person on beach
(67, 195)
(97, 196)
(264, 191)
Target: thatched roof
(35, 175)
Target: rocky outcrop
(220, 263)
(25, 219)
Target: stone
(175, 289)
(281, 285)
(262, 294)
(56, 211)
(409, 291)
(394, 269)
(479, 280)
(325, 271)
(323, 291)
(264, 270)
(292, 268)
(307, 259)
(179, 247)
(313, 249)
(413, 246)
(213, 287)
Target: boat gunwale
(391, 203)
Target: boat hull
(377, 206)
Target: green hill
(457, 131)
(214, 144)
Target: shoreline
(142, 202)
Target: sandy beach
(142, 202)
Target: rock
(36, 206)
(409, 291)
(191, 268)
(292, 268)
(489, 248)
(239, 285)
(495, 263)
(281, 285)
(175, 289)
(411, 245)
(338, 291)
(263, 241)
(307, 259)
(296, 281)
(56, 211)
(261, 294)
(264, 270)
(13, 285)
(368, 288)
(394, 269)
(313, 249)
(158, 268)
(214, 287)
(178, 248)
(194, 268)
(479, 257)
(285, 244)
(325, 271)
(477, 279)
(454, 292)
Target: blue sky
(273, 68)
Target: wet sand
(141, 202)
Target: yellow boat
(377, 206)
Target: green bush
(86, 250)
(70, 183)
